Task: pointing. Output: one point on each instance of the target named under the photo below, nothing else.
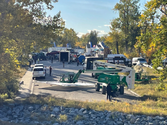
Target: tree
(128, 21)
(114, 41)
(154, 34)
(93, 37)
(20, 34)
(69, 36)
(84, 40)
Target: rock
(163, 123)
(79, 123)
(30, 108)
(4, 119)
(132, 120)
(159, 118)
(56, 109)
(61, 108)
(119, 123)
(137, 120)
(129, 116)
(52, 115)
(82, 109)
(9, 112)
(36, 107)
(56, 124)
(84, 112)
(33, 114)
(149, 118)
(125, 123)
(17, 111)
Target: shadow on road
(71, 88)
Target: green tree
(154, 23)
(20, 33)
(84, 39)
(68, 36)
(128, 21)
(93, 37)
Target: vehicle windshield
(38, 65)
(143, 60)
(40, 69)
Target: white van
(138, 60)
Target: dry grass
(20, 73)
(142, 107)
(152, 98)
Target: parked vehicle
(138, 60)
(38, 72)
(118, 59)
(64, 55)
(38, 65)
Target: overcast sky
(86, 15)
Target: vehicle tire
(97, 86)
(43, 77)
(104, 90)
(32, 77)
(121, 90)
(96, 76)
(93, 75)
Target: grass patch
(20, 73)
(78, 117)
(147, 107)
(62, 118)
(150, 95)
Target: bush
(160, 87)
(62, 118)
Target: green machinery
(71, 77)
(113, 80)
(139, 74)
(140, 77)
(103, 79)
(106, 76)
(102, 68)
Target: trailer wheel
(97, 86)
(104, 90)
(121, 90)
(92, 75)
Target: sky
(86, 15)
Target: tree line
(25, 28)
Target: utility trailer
(64, 56)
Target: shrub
(62, 118)
(160, 87)
(78, 117)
